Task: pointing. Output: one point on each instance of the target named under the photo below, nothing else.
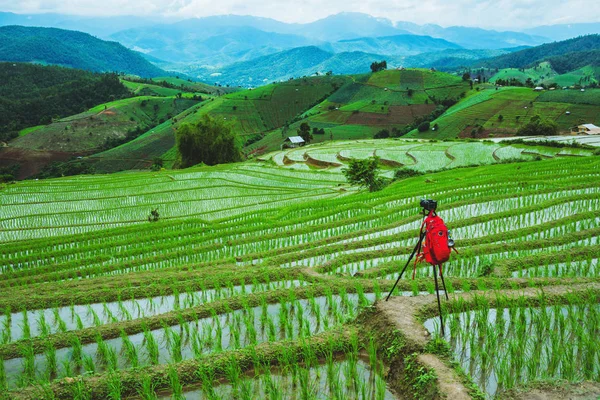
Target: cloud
(483, 13)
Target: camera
(428, 204)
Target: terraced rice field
(417, 155)
(502, 111)
(261, 281)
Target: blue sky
(484, 13)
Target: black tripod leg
(443, 283)
(437, 292)
(417, 248)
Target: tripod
(417, 250)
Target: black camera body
(428, 204)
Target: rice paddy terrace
(260, 281)
(423, 156)
(502, 111)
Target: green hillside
(103, 126)
(31, 95)
(251, 112)
(372, 102)
(502, 111)
(546, 74)
(71, 49)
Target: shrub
(424, 126)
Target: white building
(588, 129)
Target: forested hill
(33, 94)
(527, 57)
(575, 60)
(71, 49)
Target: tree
(466, 76)
(382, 134)
(424, 126)
(538, 127)
(378, 66)
(304, 132)
(410, 92)
(364, 173)
(209, 141)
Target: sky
(483, 13)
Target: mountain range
(219, 40)
(248, 51)
(71, 49)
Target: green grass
(26, 131)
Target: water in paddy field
(586, 268)
(63, 319)
(503, 348)
(346, 379)
(236, 329)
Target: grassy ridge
(503, 111)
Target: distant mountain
(348, 25)
(306, 61)
(527, 57)
(206, 44)
(97, 26)
(475, 38)
(71, 49)
(398, 45)
(278, 66)
(565, 31)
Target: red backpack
(437, 245)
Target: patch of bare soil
(32, 161)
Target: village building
(294, 141)
(588, 129)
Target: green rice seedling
(28, 355)
(174, 383)
(50, 356)
(147, 389)
(151, 347)
(6, 331)
(79, 322)
(77, 351)
(44, 391)
(175, 343)
(207, 379)
(67, 367)
(43, 326)
(245, 389)
(3, 382)
(25, 329)
(80, 391)
(88, 364)
(114, 386)
(131, 350)
(233, 373)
